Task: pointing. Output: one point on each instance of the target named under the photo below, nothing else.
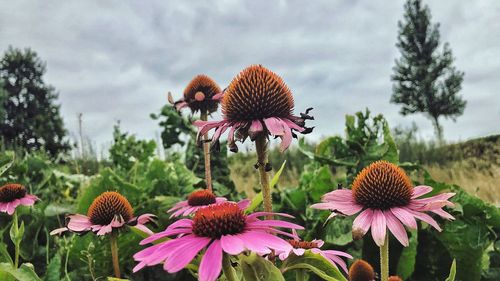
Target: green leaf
(406, 263)
(4, 254)
(116, 279)
(54, 269)
(7, 166)
(257, 200)
(24, 273)
(315, 263)
(255, 267)
(453, 271)
(338, 231)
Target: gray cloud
(115, 60)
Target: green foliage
(29, 115)
(425, 79)
(314, 263)
(453, 271)
(255, 267)
(24, 273)
(174, 126)
(126, 150)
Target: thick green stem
(300, 275)
(384, 259)
(17, 242)
(228, 269)
(261, 147)
(206, 154)
(114, 254)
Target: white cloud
(115, 60)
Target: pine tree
(31, 118)
(425, 81)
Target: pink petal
(11, 206)
(232, 244)
(292, 125)
(243, 204)
(145, 218)
(271, 241)
(426, 218)
(252, 244)
(286, 140)
(443, 214)
(165, 233)
(405, 217)
(105, 229)
(218, 96)
(396, 228)
(183, 255)
(274, 126)
(143, 228)
(58, 231)
(420, 190)
(211, 263)
(273, 223)
(79, 223)
(362, 223)
(378, 226)
(255, 128)
(341, 195)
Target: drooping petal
(443, 214)
(211, 263)
(58, 231)
(362, 223)
(179, 259)
(79, 223)
(243, 204)
(378, 227)
(396, 228)
(426, 218)
(405, 217)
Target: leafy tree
(30, 116)
(425, 79)
(127, 150)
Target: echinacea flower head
(196, 200)
(257, 102)
(360, 270)
(109, 211)
(201, 94)
(13, 195)
(219, 228)
(384, 195)
(300, 247)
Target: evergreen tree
(424, 78)
(31, 118)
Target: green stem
(228, 269)
(261, 148)
(300, 275)
(114, 254)
(16, 242)
(206, 154)
(384, 259)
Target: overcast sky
(115, 60)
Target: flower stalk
(384, 259)
(261, 147)
(114, 254)
(16, 237)
(228, 269)
(206, 153)
(300, 275)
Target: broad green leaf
(4, 254)
(53, 272)
(406, 263)
(315, 263)
(453, 271)
(255, 267)
(338, 231)
(24, 273)
(257, 200)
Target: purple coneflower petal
(443, 214)
(378, 227)
(420, 190)
(79, 223)
(363, 222)
(396, 228)
(179, 259)
(405, 217)
(211, 263)
(232, 244)
(426, 218)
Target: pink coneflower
(201, 94)
(257, 102)
(196, 200)
(108, 211)
(384, 195)
(220, 228)
(300, 247)
(13, 195)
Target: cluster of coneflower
(258, 105)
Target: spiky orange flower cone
(257, 102)
(360, 270)
(386, 198)
(201, 94)
(108, 211)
